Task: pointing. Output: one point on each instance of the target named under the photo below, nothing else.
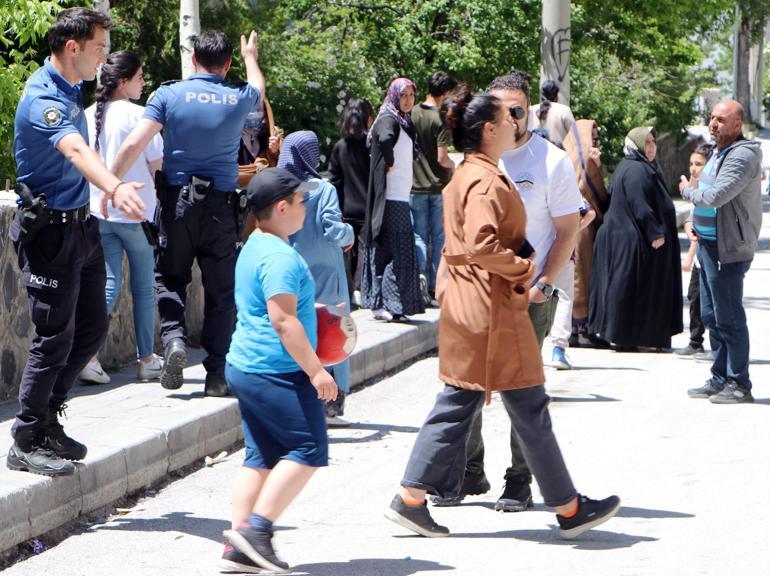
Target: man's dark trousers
(64, 273)
(723, 314)
(542, 315)
(207, 230)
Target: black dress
(636, 291)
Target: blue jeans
(428, 216)
(721, 308)
(117, 237)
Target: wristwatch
(546, 289)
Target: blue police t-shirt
(202, 118)
(49, 109)
(267, 266)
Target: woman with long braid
(110, 119)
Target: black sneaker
(30, 453)
(174, 361)
(707, 390)
(516, 497)
(235, 562)
(414, 518)
(688, 351)
(732, 393)
(473, 484)
(58, 441)
(216, 385)
(258, 547)
(590, 514)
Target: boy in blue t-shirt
(273, 370)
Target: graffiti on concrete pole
(556, 50)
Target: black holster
(33, 212)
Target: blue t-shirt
(202, 118)
(49, 109)
(704, 219)
(268, 266)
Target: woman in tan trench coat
(486, 339)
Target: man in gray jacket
(726, 218)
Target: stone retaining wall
(16, 328)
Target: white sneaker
(93, 373)
(151, 370)
(382, 314)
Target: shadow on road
(590, 398)
(631, 512)
(380, 431)
(357, 567)
(593, 540)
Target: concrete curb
(137, 434)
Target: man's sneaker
(732, 393)
(216, 385)
(236, 562)
(30, 453)
(590, 514)
(516, 497)
(382, 314)
(149, 370)
(473, 484)
(414, 518)
(707, 390)
(336, 422)
(704, 356)
(174, 360)
(559, 359)
(94, 374)
(690, 350)
(258, 547)
(58, 441)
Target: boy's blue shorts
(282, 418)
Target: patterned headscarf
(300, 154)
(392, 105)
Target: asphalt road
(693, 477)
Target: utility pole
(556, 45)
(189, 27)
(104, 6)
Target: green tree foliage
(637, 63)
(23, 25)
(633, 61)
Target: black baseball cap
(273, 184)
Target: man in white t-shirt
(545, 178)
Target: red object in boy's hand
(336, 334)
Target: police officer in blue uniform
(57, 243)
(202, 118)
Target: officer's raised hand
(250, 54)
(250, 47)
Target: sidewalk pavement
(137, 433)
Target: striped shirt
(705, 218)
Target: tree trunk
(741, 55)
(189, 26)
(104, 6)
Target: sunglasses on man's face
(517, 112)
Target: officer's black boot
(174, 361)
(216, 384)
(30, 453)
(58, 441)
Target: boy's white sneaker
(93, 373)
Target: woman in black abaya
(636, 283)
